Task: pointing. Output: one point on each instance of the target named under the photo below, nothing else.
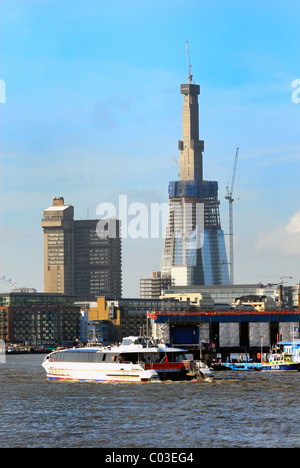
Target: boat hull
(281, 367)
(169, 371)
(240, 366)
(260, 367)
(127, 373)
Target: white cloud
(285, 240)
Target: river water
(237, 409)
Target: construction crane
(281, 282)
(283, 277)
(8, 281)
(231, 200)
(175, 160)
(177, 164)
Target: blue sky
(93, 110)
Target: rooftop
(58, 208)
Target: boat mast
(147, 318)
(200, 346)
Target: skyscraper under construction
(194, 246)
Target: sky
(93, 109)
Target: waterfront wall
(236, 331)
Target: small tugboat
(285, 357)
(136, 359)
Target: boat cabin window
(84, 357)
(105, 357)
(111, 358)
(126, 342)
(53, 357)
(74, 357)
(141, 341)
(137, 340)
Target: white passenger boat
(94, 364)
(136, 359)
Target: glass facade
(199, 248)
(214, 256)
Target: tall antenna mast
(190, 76)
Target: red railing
(228, 312)
(164, 365)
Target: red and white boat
(136, 359)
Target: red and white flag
(152, 315)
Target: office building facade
(153, 287)
(39, 318)
(78, 259)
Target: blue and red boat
(285, 357)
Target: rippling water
(237, 409)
